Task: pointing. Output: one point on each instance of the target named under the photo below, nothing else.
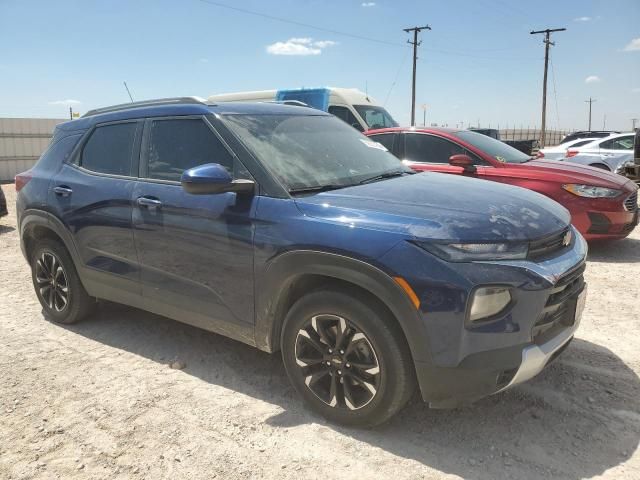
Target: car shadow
(577, 419)
(6, 229)
(621, 251)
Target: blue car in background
(285, 228)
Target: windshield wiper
(383, 176)
(317, 188)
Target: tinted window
(178, 145)
(344, 114)
(109, 149)
(385, 139)
(429, 149)
(621, 143)
(58, 151)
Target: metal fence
(552, 137)
(22, 141)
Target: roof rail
(147, 103)
(295, 103)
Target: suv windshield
(313, 152)
(375, 117)
(495, 148)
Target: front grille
(631, 203)
(559, 311)
(547, 247)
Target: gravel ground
(99, 400)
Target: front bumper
(471, 363)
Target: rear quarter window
(58, 152)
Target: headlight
(468, 252)
(590, 191)
(488, 301)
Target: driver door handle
(149, 202)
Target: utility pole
(604, 122)
(415, 44)
(590, 101)
(424, 114)
(633, 124)
(547, 42)
(70, 113)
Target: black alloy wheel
(338, 362)
(51, 282)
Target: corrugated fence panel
(22, 141)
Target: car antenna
(125, 86)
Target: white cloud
(633, 45)
(324, 43)
(582, 19)
(368, 4)
(299, 46)
(592, 79)
(635, 90)
(69, 101)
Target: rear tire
(57, 285)
(348, 359)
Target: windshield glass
(375, 117)
(312, 151)
(495, 148)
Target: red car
(603, 205)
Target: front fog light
(488, 301)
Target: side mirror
(213, 178)
(464, 161)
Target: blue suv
(284, 228)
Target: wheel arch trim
(281, 273)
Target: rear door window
(386, 139)
(110, 149)
(176, 145)
(429, 148)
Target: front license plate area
(580, 304)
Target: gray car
(609, 153)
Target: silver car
(558, 152)
(609, 153)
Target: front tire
(57, 285)
(347, 358)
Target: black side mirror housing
(212, 178)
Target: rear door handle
(148, 202)
(62, 191)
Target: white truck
(349, 104)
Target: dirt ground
(99, 400)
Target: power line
(395, 79)
(300, 24)
(547, 42)
(415, 43)
(470, 53)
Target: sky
(477, 65)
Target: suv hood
(568, 172)
(441, 207)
